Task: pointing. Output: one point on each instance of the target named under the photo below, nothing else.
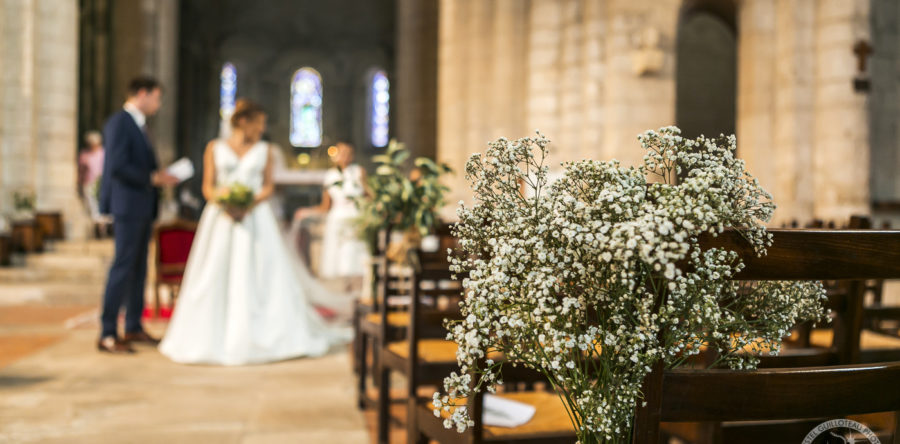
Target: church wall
(598, 72)
(884, 101)
(564, 67)
(38, 114)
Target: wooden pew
(27, 237)
(381, 320)
(811, 393)
(51, 224)
(5, 250)
(425, 356)
(854, 255)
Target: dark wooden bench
(5, 250)
(715, 396)
(424, 356)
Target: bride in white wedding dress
(245, 298)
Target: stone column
(509, 73)
(55, 140)
(593, 78)
(415, 90)
(544, 74)
(636, 102)
(884, 101)
(453, 82)
(841, 165)
(571, 80)
(793, 111)
(756, 81)
(17, 92)
(161, 46)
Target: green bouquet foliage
(239, 196)
(397, 200)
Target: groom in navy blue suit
(128, 191)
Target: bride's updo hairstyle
(245, 110)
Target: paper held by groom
(182, 169)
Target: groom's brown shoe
(140, 337)
(112, 344)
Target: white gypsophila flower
(596, 277)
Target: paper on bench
(182, 169)
(503, 412)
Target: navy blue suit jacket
(126, 190)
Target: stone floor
(56, 388)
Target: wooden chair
(27, 237)
(5, 250)
(51, 223)
(812, 393)
(797, 393)
(425, 356)
(382, 319)
(173, 242)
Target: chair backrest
(435, 293)
(173, 246)
(783, 393)
(5, 249)
(795, 255)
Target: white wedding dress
(246, 298)
(343, 254)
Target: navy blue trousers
(125, 286)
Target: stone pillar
(756, 81)
(635, 102)
(545, 66)
(884, 101)
(452, 83)
(415, 88)
(17, 91)
(508, 76)
(55, 143)
(479, 66)
(793, 111)
(161, 46)
(593, 78)
(841, 165)
(38, 143)
(571, 80)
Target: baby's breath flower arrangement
(598, 276)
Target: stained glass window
(227, 90)
(379, 114)
(306, 108)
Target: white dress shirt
(139, 118)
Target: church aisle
(69, 393)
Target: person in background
(128, 191)
(90, 169)
(343, 254)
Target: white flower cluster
(598, 276)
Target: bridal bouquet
(237, 201)
(593, 279)
(238, 196)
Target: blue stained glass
(379, 114)
(227, 90)
(306, 108)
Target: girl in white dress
(344, 255)
(243, 299)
